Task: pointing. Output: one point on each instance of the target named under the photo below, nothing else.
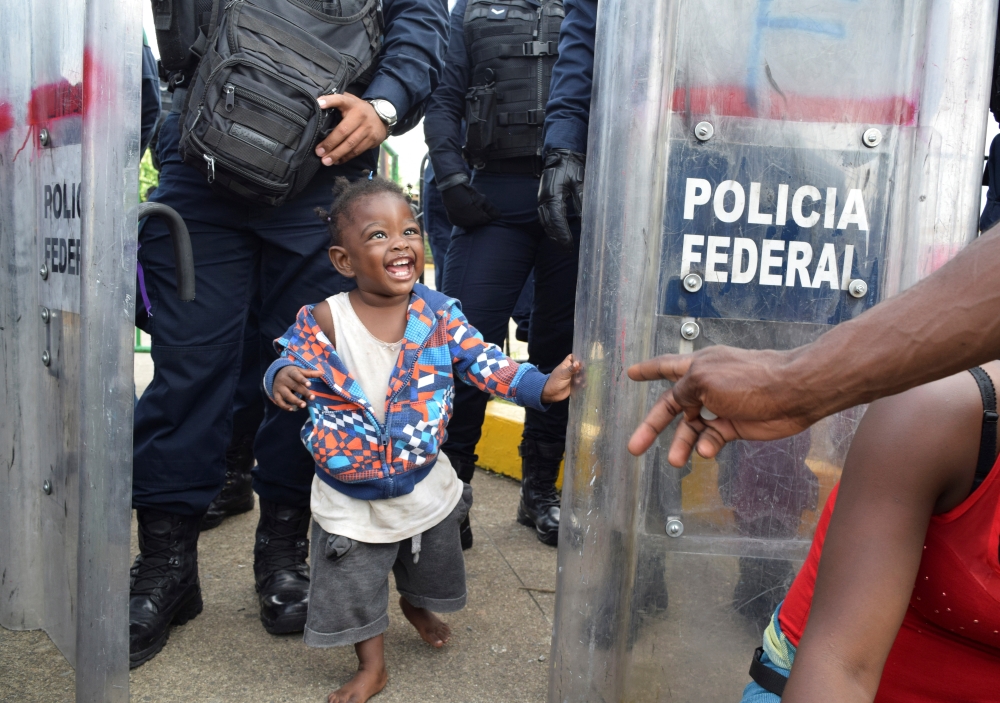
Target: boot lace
(284, 552)
(546, 497)
(152, 570)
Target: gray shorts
(349, 580)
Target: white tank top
(371, 361)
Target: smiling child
(374, 368)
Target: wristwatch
(386, 112)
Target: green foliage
(149, 177)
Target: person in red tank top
(899, 598)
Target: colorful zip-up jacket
(357, 455)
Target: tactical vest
(512, 46)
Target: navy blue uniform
(183, 422)
(487, 266)
(567, 114)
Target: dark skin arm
(914, 455)
(948, 322)
(291, 383)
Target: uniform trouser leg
(550, 334)
(248, 404)
(486, 270)
(183, 422)
(437, 228)
(295, 271)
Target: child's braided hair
(346, 193)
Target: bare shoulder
(324, 318)
(926, 438)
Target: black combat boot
(164, 587)
(539, 507)
(237, 492)
(280, 572)
(465, 468)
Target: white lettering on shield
(739, 260)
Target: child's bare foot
(359, 689)
(431, 629)
(371, 677)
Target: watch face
(386, 109)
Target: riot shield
(757, 172)
(69, 152)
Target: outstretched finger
(669, 366)
(659, 416)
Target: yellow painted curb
(497, 448)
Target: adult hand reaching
(360, 129)
(751, 393)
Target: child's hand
(290, 383)
(560, 380)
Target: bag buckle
(538, 48)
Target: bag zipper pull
(230, 90)
(210, 160)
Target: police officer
(183, 422)
(497, 75)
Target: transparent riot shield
(757, 172)
(69, 142)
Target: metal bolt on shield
(692, 283)
(47, 487)
(675, 528)
(858, 288)
(872, 137)
(46, 358)
(704, 131)
(44, 271)
(46, 315)
(43, 137)
(690, 330)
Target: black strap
(535, 117)
(988, 437)
(508, 51)
(766, 677)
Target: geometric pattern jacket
(365, 459)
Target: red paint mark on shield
(49, 105)
(6, 118)
(98, 80)
(54, 101)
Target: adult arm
(446, 107)
(948, 322)
(914, 455)
(466, 206)
(409, 68)
(567, 115)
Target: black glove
(562, 178)
(466, 206)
